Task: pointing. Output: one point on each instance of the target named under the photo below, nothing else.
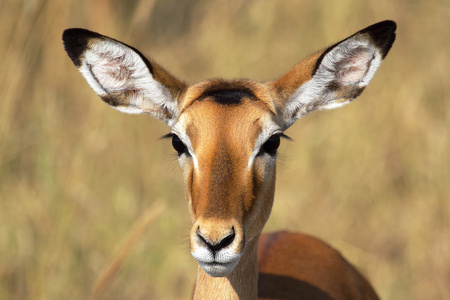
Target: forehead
(227, 93)
(222, 108)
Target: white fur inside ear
(352, 62)
(112, 68)
(348, 66)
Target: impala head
(226, 133)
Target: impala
(226, 134)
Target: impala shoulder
(298, 247)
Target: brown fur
(290, 265)
(230, 187)
(324, 274)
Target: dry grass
(371, 178)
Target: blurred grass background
(372, 178)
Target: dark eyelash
(167, 136)
(283, 136)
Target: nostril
(200, 236)
(226, 241)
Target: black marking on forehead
(227, 96)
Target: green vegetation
(371, 178)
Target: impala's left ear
(335, 76)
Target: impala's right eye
(178, 145)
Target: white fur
(111, 67)
(216, 264)
(269, 130)
(180, 130)
(343, 65)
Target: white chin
(218, 269)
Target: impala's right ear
(122, 76)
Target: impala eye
(178, 145)
(271, 145)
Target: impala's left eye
(271, 145)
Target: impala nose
(219, 244)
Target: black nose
(224, 242)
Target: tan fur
(175, 86)
(220, 129)
(222, 138)
(288, 84)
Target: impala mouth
(216, 269)
(217, 264)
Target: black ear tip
(387, 26)
(79, 33)
(76, 41)
(382, 34)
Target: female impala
(226, 134)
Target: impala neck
(242, 283)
